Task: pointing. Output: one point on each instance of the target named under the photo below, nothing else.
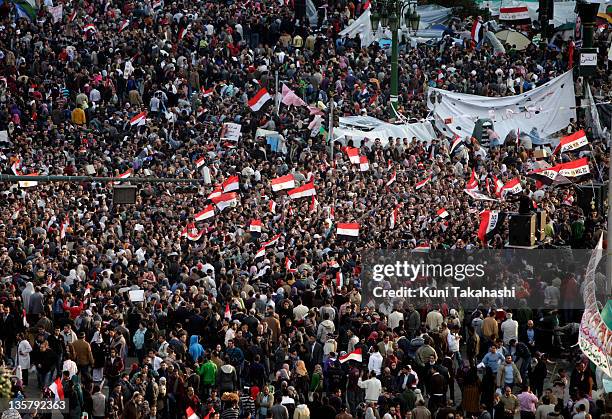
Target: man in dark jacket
(314, 353)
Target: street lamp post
(389, 14)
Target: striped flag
(442, 213)
(288, 264)
(302, 191)
(189, 412)
(216, 193)
(255, 227)
(124, 175)
(124, 24)
(139, 119)
(206, 213)
(490, 223)
(181, 33)
(228, 312)
(347, 231)
(283, 182)
(90, 27)
(24, 319)
(353, 154)
(272, 206)
(455, 144)
(392, 179)
(207, 92)
(271, 242)
(473, 182)
(313, 204)
(260, 253)
(511, 187)
(259, 100)
(57, 389)
(364, 165)
(573, 142)
(200, 162)
(72, 16)
(356, 356)
(422, 183)
(225, 200)
(339, 279)
(28, 183)
(231, 184)
(422, 247)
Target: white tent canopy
(359, 128)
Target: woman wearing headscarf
(98, 350)
(301, 381)
(76, 401)
(316, 382)
(25, 296)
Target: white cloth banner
(547, 109)
(359, 128)
(57, 12)
(231, 131)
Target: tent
(513, 38)
(359, 128)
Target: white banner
(547, 108)
(514, 13)
(231, 131)
(57, 12)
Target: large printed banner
(547, 108)
(595, 338)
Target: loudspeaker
(592, 197)
(124, 194)
(522, 230)
(540, 224)
(300, 9)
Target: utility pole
(331, 128)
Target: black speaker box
(522, 230)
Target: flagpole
(276, 98)
(331, 128)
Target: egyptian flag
(72, 16)
(455, 144)
(206, 213)
(332, 213)
(353, 154)
(517, 15)
(210, 412)
(356, 356)
(498, 185)
(347, 231)
(28, 183)
(194, 234)
(90, 27)
(477, 31)
(189, 412)
(217, 192)
(491, 222)
(288, 266)
(87, 290)
(200, 162)
(260, 253)
(228, 312)
(283, 182)
(473, 182)
(568, 199)
(422, 183)
(422, 247)
(393, 218)
(225, 200)
(124, 24)
(124, 175)
(259, 100)
(313, 204)
(64, 228)
(157, 4)
(392, 179)
(255, 227)
(364, 165)
(271, 242)
(574, 168)
(442, 213)
(15, 168)
(206, 92)
(302, 191)
(139, 119)
(545, 176)
(57, 389)
(575, 142)
(24, 319)
(181, 33)
(339, 279)
(512, 187)
(272, 206)
(231, 184)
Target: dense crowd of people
(236, 322)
